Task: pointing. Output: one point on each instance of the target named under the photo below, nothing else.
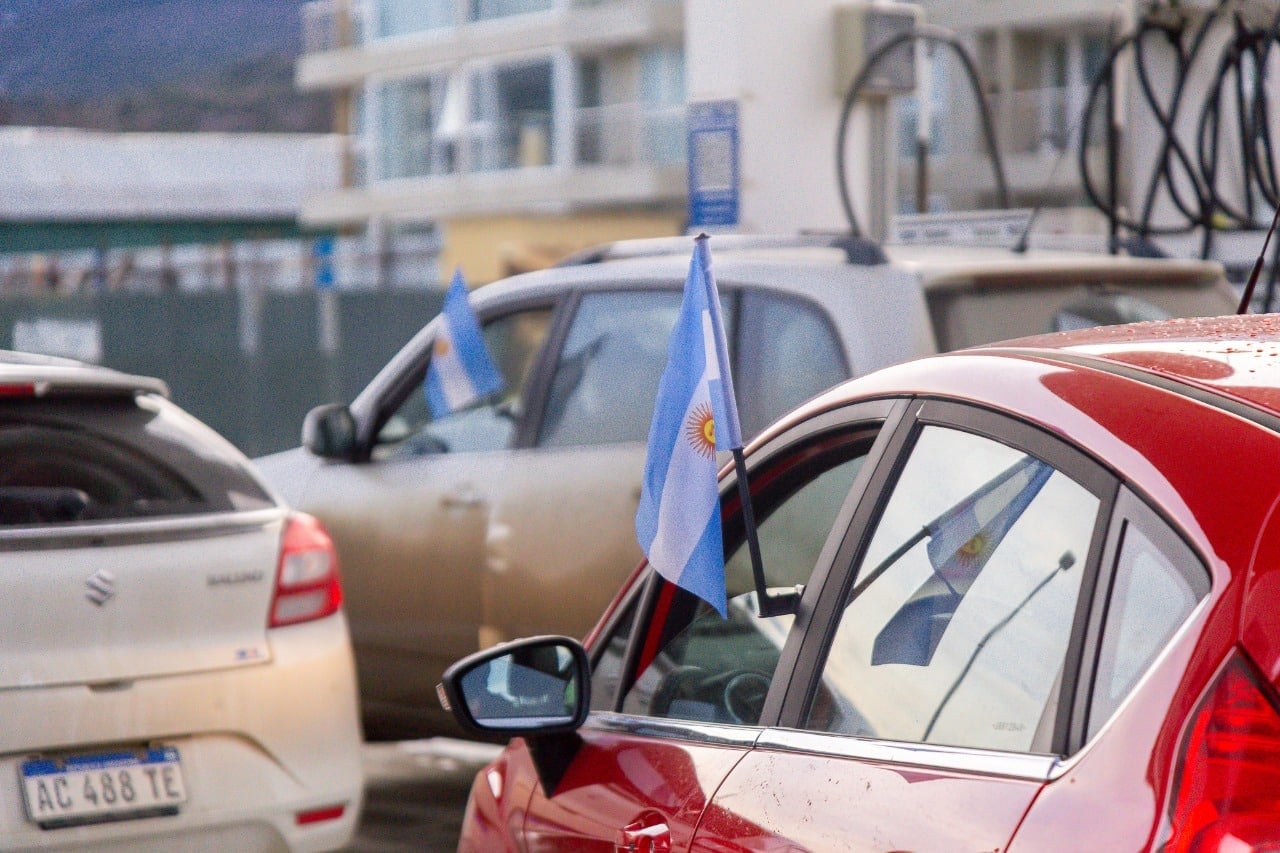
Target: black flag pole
(1257, 267)
(783, 601)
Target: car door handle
(638, 838)
(465, 498)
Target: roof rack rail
(857, 250)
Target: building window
(412, 113)
(483, 10)
(400, 17)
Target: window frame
(1005, 429)
(391, 395)
(883, 415)
(1129, 508)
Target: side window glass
(962, 608)
(787, 353)
(720, 670)
(607, 378)
(1155, 589)
(488, 424)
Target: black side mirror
(538, 686)
(329, 432)
(538, 689)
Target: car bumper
(259, 745)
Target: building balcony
(623, 154)
(1037, 133)
(343, 45)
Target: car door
(926, 710)
(562, 532)
(409, 524)
(681, 694)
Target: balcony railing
(616, 135)
(323, 21)
(1034, 121)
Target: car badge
(102, 587)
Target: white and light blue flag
(461, 370)
(678, 520)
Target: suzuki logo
(102, 587)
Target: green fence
(248, 364)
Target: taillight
(1227, 795)
(307, 585)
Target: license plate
(108, 786)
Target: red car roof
(1235, 356)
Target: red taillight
(320, 815)
(307, 585)
(1227, 796)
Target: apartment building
(522, 129)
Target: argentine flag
(461, 370)
(678, 520)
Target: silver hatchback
(175, 667)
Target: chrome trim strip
(1014, 765)
(707, 734)
(132, 531)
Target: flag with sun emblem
(678, 520)
(961, 541)
(963, 538)
(461, 370)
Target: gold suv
(515, 516)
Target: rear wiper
(41, 504)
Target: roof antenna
(1257, 266)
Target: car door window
(607, 376)
(1158, 582)
(961, 610)
(514, 341)
(720, 670)
(787, 352)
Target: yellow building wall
(490, 248)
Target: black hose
(1194, 185)
(932, 35)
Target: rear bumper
(259, 744)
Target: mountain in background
(155, 65)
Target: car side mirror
(538, 689)
(329, 432)
(537, 686)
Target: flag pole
(768, 605)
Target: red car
(1031, 601)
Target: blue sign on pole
(713, 163)
(322, 258)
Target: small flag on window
(461, 370)
(678, 520)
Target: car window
(961, 609)
(607, 376)
(965, 316)
(70, 460)
(1154, 591)
(488, 424)
(787, 352)
(719, 670)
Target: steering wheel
(744, 695)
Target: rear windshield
(87, 459)
(968, 316)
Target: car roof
(1237, 357)
(749, 258)
(50, 375)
